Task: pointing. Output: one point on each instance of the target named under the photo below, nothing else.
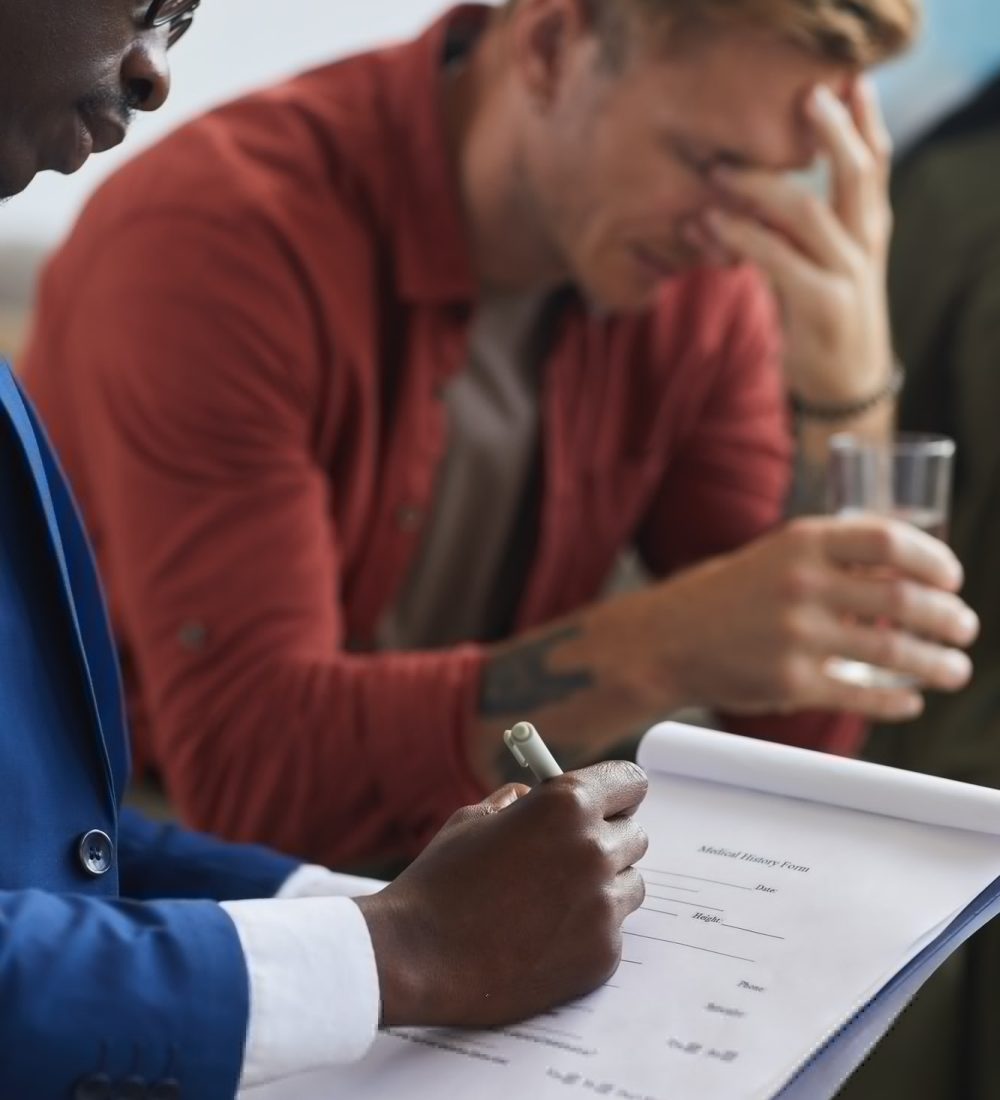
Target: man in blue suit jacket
(131, 963)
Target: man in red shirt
(365, 381)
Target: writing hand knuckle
(461, 816)
(608, 954)
(594, 856)
(626, 773)
(639, 778)
(574, 797)
(588, 858)
(607, 909)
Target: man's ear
(543, 33)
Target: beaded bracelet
(890, 389)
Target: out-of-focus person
(365, 381)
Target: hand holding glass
(908, 478)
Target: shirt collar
(432, 248)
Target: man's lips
(106, 131)
(73, 147)
(84, 134)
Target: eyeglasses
(178, 15)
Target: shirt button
(95, 1087)
(97, 853)
(193, 636)
(409, 517)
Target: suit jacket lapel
(80, 590)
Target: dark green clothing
(945, 299)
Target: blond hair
(856, 33)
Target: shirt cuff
(311, 881)
(314, 992)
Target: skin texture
(72, 76)
(616, 174)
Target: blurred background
(235, 47)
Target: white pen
(530, 751)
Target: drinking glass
(907, 477)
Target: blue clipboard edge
(828, 1069)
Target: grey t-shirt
(470, 570)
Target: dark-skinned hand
(517, 904)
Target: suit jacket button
(97, 1086)
(97, 853)
(165, 1089)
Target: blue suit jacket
(97, 981)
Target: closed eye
(702, 162)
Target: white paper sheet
(799, 773)
(769, 921)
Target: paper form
(769, 920)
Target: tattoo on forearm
(519, 681)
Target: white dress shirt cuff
(314, 992)
(310, 881)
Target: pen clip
(515, 748)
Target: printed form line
(752, 931)
(693, 904)
(696, 878)
(707, 950)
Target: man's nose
(146, 71)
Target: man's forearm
(576, 679)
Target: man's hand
(752, 632)
(517, 904)
(827, 261)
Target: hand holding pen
(517, 904)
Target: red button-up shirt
(240, 352)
